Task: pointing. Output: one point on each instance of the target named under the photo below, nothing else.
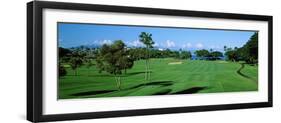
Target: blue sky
(72, 35)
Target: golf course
(97, 61)
(168, 76)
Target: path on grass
(243, 75)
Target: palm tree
(146, 39)
(224, 48)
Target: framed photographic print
(95, 61)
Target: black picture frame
(35, 69)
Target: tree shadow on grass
(91, 75)
(163, 92)
(92, 93)
(108, 75)
(191, 90)
(162, 83)
(88, 93)
(100, 75)
(244, 75)
(134, 73)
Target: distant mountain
(85, 46)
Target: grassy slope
(188, 77)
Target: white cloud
(106, 42)
(187, 45)
(97, 42)
(199, 45)
(170, 44)
(160, 49)
(136, 43)
(92, 43)
(156, 45)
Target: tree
(249, 51)
(224, 48)
(62, 71)
(232, 55)
(63, 52)
(76, 60)
(185, 55)
(216, 54)
(146, 39)
(63, 57)
(202, 53)
(137, 53)
(113, 59)
(88, 60)
(127, 62)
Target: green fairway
(168, 76)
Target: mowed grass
(168, 76)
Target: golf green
(168, 76)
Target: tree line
(248, 52)
(208, 55)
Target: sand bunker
(172, 63)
